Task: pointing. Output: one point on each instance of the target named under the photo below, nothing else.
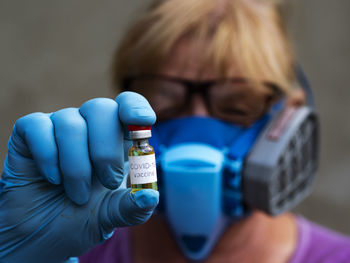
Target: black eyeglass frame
(200, 87)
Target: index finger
(134, 109)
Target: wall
(320, 29)
(57, 54)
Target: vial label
(143, 169)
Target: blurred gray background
(56, 54)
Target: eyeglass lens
(233, 101)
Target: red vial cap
(138, 128)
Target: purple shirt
(315, 244)
(318, 244)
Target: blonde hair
(248, 33)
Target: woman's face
(183, 87)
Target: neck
(259, 238)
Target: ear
(296, 98)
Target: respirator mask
(212, 173)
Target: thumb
(123, 208)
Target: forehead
(188, 59)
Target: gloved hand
(58, 194)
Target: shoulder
(319, 244)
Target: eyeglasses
(235, 100)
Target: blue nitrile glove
(58, 194)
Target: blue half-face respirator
(212, 173)
(197, 156)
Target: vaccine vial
(142, 161)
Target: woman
(199, 41)
(223, 62)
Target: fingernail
(112, 176)
(79, 195)
(146, 199)
(53, 175)
(54, 180)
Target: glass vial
(142, 161)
